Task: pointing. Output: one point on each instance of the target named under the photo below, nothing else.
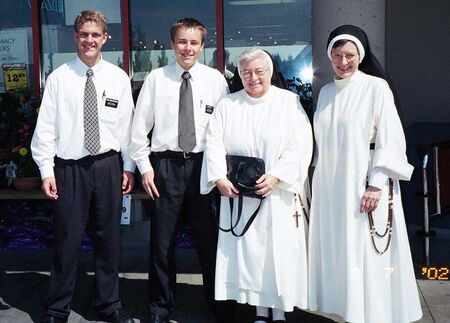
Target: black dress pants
(94, 179)
(178, 182)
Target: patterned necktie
(186, 124)
(90, 111)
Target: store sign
(13, 50)
(51, 5)
(15, 76)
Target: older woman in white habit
(266, 267)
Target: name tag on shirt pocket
(209, 109)
(111, 103)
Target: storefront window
(282, 28)
(58, 45)
(150, 30)
(16, 59)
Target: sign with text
(13, 50)
(15, 76)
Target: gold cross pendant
(296, 215)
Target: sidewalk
(24, 282)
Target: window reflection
(58, 44)
(150, 32)
(282, 28)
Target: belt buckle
(186, 155)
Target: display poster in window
(13, 50)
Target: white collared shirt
(60, 126)
(157, 109)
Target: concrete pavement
(24, 282)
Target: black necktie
(90, 112)
(186, 123)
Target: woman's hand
(265, 184)
(370, 199)
(226, 188)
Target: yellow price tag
(15, 76)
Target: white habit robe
(347, 277)
(268, 265)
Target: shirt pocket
(205, 112)
(108, 114)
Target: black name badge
(111, 103)
(209, 109)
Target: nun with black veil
(359, 256)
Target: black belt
(176, 154)
(372, 146)
(86, 159)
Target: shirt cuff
(378, 178)
(129, 166)
(47, 171)
(144, 165)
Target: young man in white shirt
(83, 127)
(171, 176)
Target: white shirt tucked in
(60, 126)
(157, 109)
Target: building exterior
(410, 38)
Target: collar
(194, 70)
(263, 98)
(349, 80)
(82, 68)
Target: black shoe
(118, 316)
(53, 319)
(156, 318)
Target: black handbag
(243, 172)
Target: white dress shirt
(60, 126)
(157, 109)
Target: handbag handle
(249, 222)
(216, 203)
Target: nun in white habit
(266, 267)
(360, 157)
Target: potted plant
(18, 115)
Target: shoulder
(116, 70)
(375, 81)
(210, 72)
(62, 73)
(284, 93)
(160, 73)
(232, 97)
(228, 101)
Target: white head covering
(358, 43)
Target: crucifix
(296, 214)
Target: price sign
(15, 76)
(436, 272)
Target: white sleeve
(43, 143)
(126, 119)
(214, 165)
(390, 145)
(143, 121)
(292, 166)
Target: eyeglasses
(248, 74)
(338, 57)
